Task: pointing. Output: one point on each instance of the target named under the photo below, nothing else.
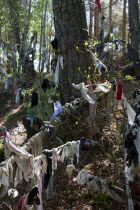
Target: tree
(124, 21)
(134, 34)
(72, 36)
(91, 19)
(96, 22)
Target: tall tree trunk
(71, 33)
(91, 20)
(43, 60)
(110, 18)
(134, 25)
(25, 27)
(96, 22)
(124, 22)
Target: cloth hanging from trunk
(131, 114)
(99, 5)
(83, 88)
(119, 89)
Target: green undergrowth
(103, 201)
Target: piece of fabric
(132, 153)
(92, 107)
(108, 48)
(13, 193)
(21, 173)
(33, 197)
(131, 114)
(98, 185)
(13, 148)
(6, 174)
(55, 158)
(137, 143)
(69, 169)
(17, 98)
(119, 89)
(46, 84)
(6, 84)
(136, 93)
(38, 172)
(84, 91)
(50, 187)
(56, 74)
(99, 5)
(104, 87)
(100, 68)
(57, 109)
(35, 144)
(101, 20)
(83, 177)
(48, 172)
(34, 99)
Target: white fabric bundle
(83, 177)
(131, 114)
(82, 87)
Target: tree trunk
(134, 25)
(110, 19)
(43, 55)
(96, 21)
(124, 22)
(91, 20)
(71, 33)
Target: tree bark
(134, 25)
(96, 21)
(110, 19)
(91, 20)
(71, 32)
(124, 23)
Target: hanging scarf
(119, 89)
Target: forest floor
(106, 162)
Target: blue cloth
(59, 109)
(31, 117)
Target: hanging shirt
(119, 90)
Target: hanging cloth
(83, 88)
(99, 5)
(131, 114)
(119, 89)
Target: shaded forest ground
(105, 162)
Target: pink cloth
(21, 200)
